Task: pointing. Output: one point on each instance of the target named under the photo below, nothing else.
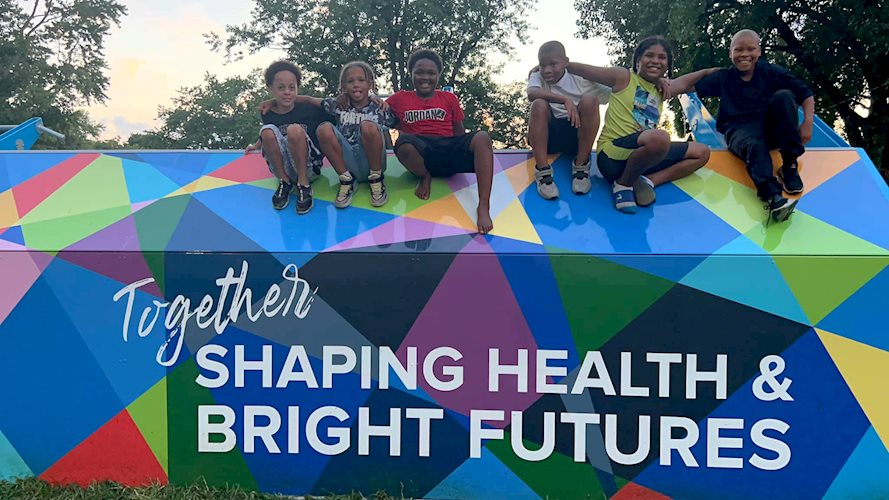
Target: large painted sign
(177, 328)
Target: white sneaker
(643, 190)
(545, 185)
(580, 178)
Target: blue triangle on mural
(14, 234)
(144, 182)
(760, 285)
(181, 168)
(859, 316)
(673, 267)
(485, 477)
(11, 464)
(35, 164)
(864, 475)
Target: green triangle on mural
(807, 235)
(149, 412)
(729, 200)
(98, 187)
(186, 465)
(620, 482)
(601, 297)
(157, 222)
(155, 262)
(55, 234)
(557, 476)
(822, 283)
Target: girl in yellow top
(630, 144)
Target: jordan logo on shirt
(417, 115)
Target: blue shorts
(356, 158)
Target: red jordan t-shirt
(433, 116)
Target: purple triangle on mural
(398, 230)
(473, 310)
(502, 161)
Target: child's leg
(413, 161)
(299, 150)
(271, 150)
(782, 126)
(589, 125)
(653, 147)
(372, 140)
(538, 131)
(748, 143)
(329, 144)
(696, 156)
(483, 155)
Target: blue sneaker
(623, 197)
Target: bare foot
(485, 224)
(424, 186)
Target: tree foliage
(52, 63)
(841, 47)
(322, 35)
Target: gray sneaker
(378, 195)
(643, 190)
(545, 185)
(580, 178)
(348, 186)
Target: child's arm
(805, 128)
(616, 78)
(459, 128)
(686, 83)
(266, 106)
(253, 147)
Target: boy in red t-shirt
(433, 141)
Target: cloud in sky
(160, 48)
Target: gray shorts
(356, 158)
(314, 157)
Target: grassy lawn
(35, 489)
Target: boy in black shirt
(758, 112)
(287, 137)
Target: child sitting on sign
(433, 141)
(355, 145)
(564, 118)
(757, 112)
(287, 137)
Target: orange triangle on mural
(520, 176)
(115, 452)
(447, 211)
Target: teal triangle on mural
(864, 474)
(144, 182)
(11, 464)
(484, 477)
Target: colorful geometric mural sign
(160, 322)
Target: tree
(219, 114)
(840, 46)
(322, 35)
(52, 63)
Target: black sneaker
(282, 195)
(304, 200)
(780, 208)
(789, 177)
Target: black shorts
(562, 136)
(611, 169)
(443, 156)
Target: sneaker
(378, 194)
(282, 195)
(780, 208)
(643, 190)
(304, 200)
(623, 198)
(347, 189)
(580, 178)
(545, 185)
(789, 177)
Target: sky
(160, 47)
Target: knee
(405, 151)
(482, 140)
(540, 108)
(656, 140)
(296, 133)
(369, 129)
(588, 104)
(325, 132)
(699, 151)
(785, 95)
(268, 137)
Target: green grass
(35, 489)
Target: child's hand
(384, 106)
(251, 148)
(805, 131)
(663, 86)
(535, 69)
(342, 102)
(573, 114)
(265, 106)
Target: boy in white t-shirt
(564, 118)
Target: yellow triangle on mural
(447, 211)
(9, 215)
(866, 371)
(514, 223)
(207, 183)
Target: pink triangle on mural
(247, 168)
(113, 252)
(473, 310)
(398, 230)
(19, 270)
(135, 207)
(33, 191)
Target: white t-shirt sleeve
(534, 80)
